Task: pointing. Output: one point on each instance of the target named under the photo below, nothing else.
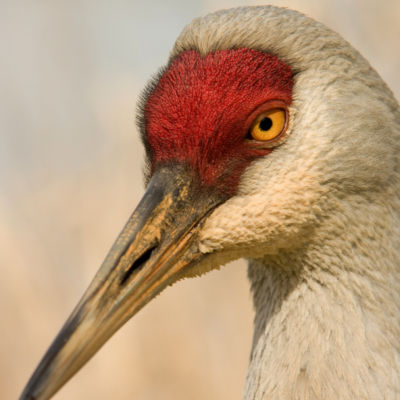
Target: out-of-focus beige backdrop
(70, 162)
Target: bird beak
(157, 246)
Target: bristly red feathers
(197, 112)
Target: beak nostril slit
(137, 264)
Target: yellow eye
(268, 125)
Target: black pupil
(266, 124)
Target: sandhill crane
(268, 137)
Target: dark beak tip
(27, 396)
(169, 204)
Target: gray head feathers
(318, 217)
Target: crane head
(235, 128)
(204, 120)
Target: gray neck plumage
(327, 322)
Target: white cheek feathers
(265, 218)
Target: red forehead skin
(198, 112)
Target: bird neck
(327, 321)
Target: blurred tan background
(70, 162)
